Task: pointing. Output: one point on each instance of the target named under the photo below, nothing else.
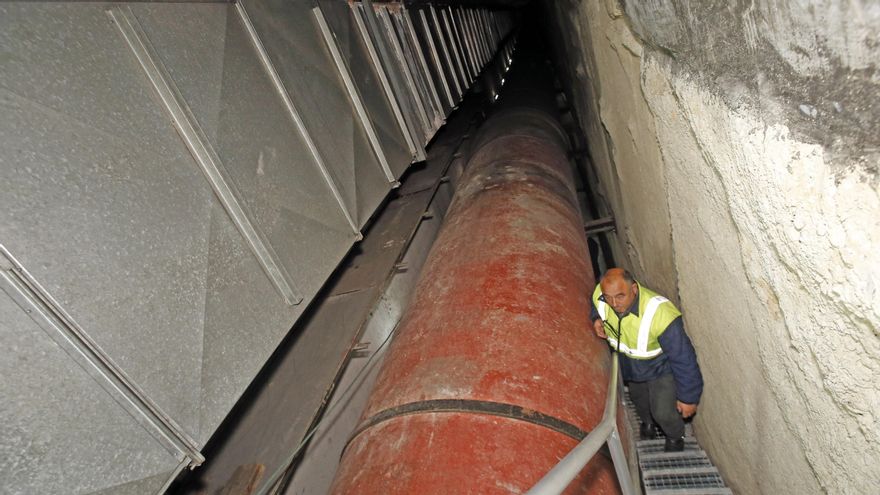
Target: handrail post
(621, 467)
(558, 478)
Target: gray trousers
(655, 402)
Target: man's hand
(599, 328)
(686, 410)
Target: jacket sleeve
(683, 360)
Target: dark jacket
(678, 358)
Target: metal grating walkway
(689, 472)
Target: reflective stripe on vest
(603, 310)
(634, 352)
(641, 350)
(647, 318)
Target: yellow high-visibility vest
(639, 334)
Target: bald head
(619, 289)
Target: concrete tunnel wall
(737, 146)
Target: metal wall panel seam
(201, 149)
(451, 69)
(491, 19)
(449, 18)
(468, 44)
(269, 67)
(435, 57)
(487, 33)
(460, 43)
(482, 53)
(453, 45)
(354, 95)
(411, 65)
(484, 45)
(395, 77)
(406, 20)
(418, 45)
(382, 13)
(478, 40)
(51, 317)
(482, 18)
(357, 12)
(492, 42)
(415, 49)
(455, 19)
(165, 486)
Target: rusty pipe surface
(493, 375)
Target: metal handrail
(558, 478)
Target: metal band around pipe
(201, 149)
(354, 95)
(489, 408)
(269, 67)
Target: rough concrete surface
(754, 126)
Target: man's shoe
(647, 431)
(674, 445)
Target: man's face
(619, 294)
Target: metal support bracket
(599, 225)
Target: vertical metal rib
(453, 71)
(467, 43)
(269, 67)
(49, 315)
(201, 149)
(415, 70)
(435, 58)
(478, 38)
(478, 41)
(395, 77)
(454, 48)
(357, 11)
(354, 95)
(408, 26)
(490, 35)
(382, 12)
(493, 27)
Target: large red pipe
(493, 375)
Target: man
(656, 355)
